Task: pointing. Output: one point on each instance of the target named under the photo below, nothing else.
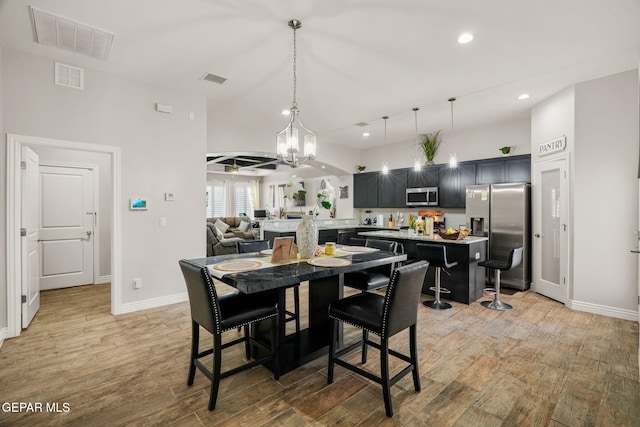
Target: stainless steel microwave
(426, 196)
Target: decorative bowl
(458, 235)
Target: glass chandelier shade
(288, 140)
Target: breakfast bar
(466, 280)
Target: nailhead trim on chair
(216, 312)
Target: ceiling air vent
(362, 124)
(63, 33)
(210, 77)
(69, 76)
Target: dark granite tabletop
(290, 274)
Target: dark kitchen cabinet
(518, 169)
(392, 189)
(427, 177)
(490, 171)
(365, 190)
(453, 184)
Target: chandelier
(288, 139)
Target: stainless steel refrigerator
(503, 213)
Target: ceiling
(357, 60)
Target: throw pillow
(244, 226)
(219, 234)
(221, 225)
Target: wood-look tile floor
(540, 364)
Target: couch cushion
(222, 226)
(244, 226)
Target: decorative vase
(307, 237)
(429, 163)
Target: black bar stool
(515, 258)
(437, 257)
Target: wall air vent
(63, 33)
(66, 75)
(210, 77)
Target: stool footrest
(442, 290)
(489, 290)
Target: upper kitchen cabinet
(427, 177)
(365, 190)
(392, 189)
(453, 184)
(518, 169)
(509, 169)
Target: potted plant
(505, 150)
(361, 168)
(429, 144)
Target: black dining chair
(384, 316)
(260, 245)
(220, 314)
(373, 278)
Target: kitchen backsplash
(452, 217)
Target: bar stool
(437, 257)
(515, 258)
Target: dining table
(254, 273)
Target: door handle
(537, 235)
(635, 251)
(88, 233)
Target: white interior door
(66, 227)
(30, 223)
(551, 230)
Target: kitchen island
(465, 281)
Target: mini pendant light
(416, 162)
(287, 140)
(453, 158)
(385, 166)
(234, 168)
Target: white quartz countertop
(404, 235)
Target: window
(215, 199)
(244, 198)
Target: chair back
(252, 246)
(203, 299)
(515, 257)
(402, 299)
(383, 245)
(435, 254)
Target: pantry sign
(553, 146)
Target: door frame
(569, 218)
(95, 176)
(13, 214)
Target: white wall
(600, 121)
(3, 238)
(479, 143)
(606, 186)
(105, 205)
(160, 153)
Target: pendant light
(385, 166)
(416, 162)
(453, 158)
(288, 139)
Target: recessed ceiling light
(322, 166)
(286, 112)
(523, 96)
(465, 38)
(366, 134)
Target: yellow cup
(330, 248)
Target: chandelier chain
(295, 78)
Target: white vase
(307, 237)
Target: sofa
(226, 243)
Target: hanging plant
(429, 144)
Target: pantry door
(551, 229)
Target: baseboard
(603, 310)
(130, 307)
(4, 334)
(104, 279)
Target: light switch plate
(169, 197)
(477, 255)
